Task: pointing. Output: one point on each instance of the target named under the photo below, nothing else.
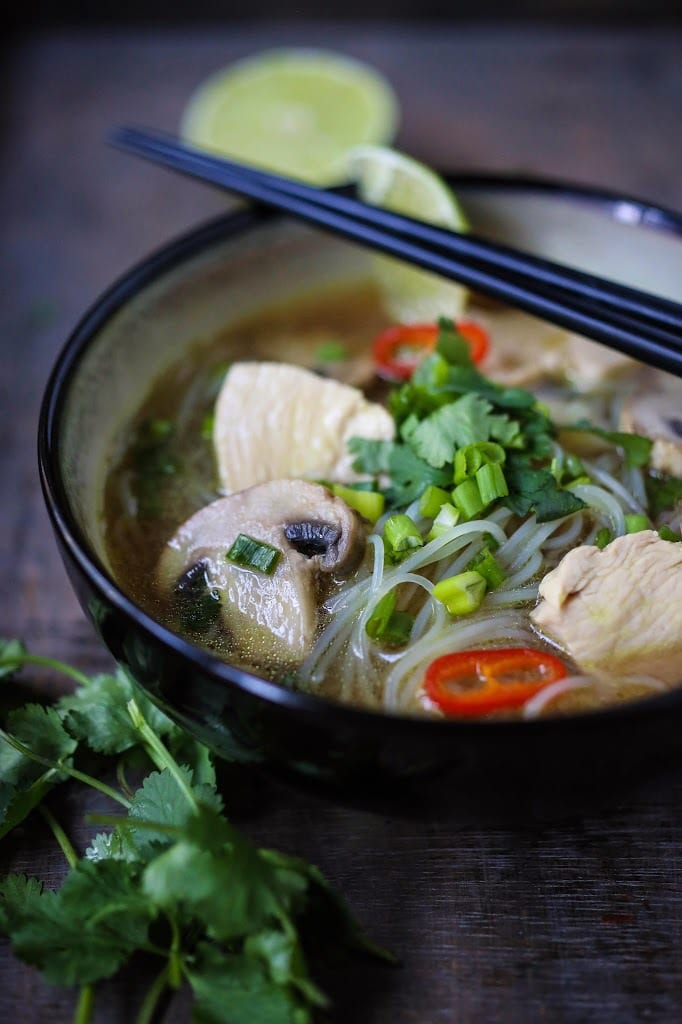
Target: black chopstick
(643, 326)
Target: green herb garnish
(170, 876)
(254, 554)
(451, 422)
(388, 626)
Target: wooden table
(537, 913)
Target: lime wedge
(396, 182)
(296, 112)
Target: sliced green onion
(490, 569)
(461, 594)
(370, 504)
(401, 536)
(467, 498)
(603, 537)
(432, 500)
(635, 523)
(444, 521)
(391, 627)
(331, 352)
(491, 483)
(471, 457)
(665, 533)
(254, 554)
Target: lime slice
(296, 112)
(396, 182)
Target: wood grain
(562, 911)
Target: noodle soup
(413, 524)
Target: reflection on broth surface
(445, 545)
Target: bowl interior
(199, 286)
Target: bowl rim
(620, 207)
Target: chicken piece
(656, 412)
(268, 618)
(618, 612)
(273, 420)
(526, 350)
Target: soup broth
(164, 470)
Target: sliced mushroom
(267, 618)
(656, 412)
(273, 420)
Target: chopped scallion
(490, 569)
(370, 504)
(432, 500)
(401, 536)
(470, 458)
(467, 498)
(461, 594)
(491, 483)
(635, 523)
(444, 521)
(603, 537)
(254, 554)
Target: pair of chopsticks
(643, 326)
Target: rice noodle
(605, 504)
(608, 481)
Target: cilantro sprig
(171, 876)
(448, 405)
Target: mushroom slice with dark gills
(268, 618)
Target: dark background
(156, 13)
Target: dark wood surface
(561, 910)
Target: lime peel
(396, 182)
(296, 112)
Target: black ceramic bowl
(197, 285)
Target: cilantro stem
(174, 959)
(61, 837)
(121, 777)
(84, 1005)
(36, 659)
(88, 780)
(159, 753)
(154, 993)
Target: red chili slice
(399, 350)
(473, 683)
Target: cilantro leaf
(84, 932)
(636, 448)
(236, 989)
(283, 955)
(409, 474)
(97, 713)
(25, 782)
(663, 493)
(537, 490)
(19, 895)
(161, 801)
(452, 426)
(217, 876)
(10, 650)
